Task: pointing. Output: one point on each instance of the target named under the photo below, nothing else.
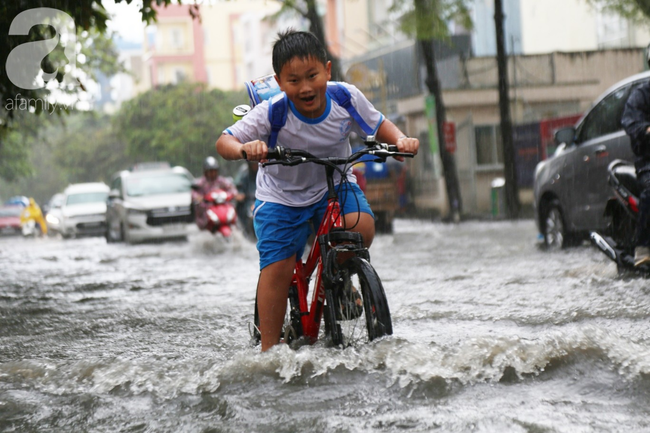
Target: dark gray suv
(571, 188)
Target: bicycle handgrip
(275, 153)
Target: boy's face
(305, 83)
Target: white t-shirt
(328, 135)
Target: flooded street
(491, 334)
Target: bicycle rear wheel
(357, 309)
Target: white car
(151, 202)
(79, 211)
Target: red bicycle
(345, 289)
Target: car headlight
(52, 219)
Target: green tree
(179, 124)
(428, 20)
(84, 148)
(633, 9)
(89, 18)
(88, 149)
(15, 150)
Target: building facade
(538, 27)
(554, 75)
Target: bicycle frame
(332, 219)
(331, 240)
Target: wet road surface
(491, 334)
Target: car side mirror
(565, 135)
(195, 186)
(113, 194)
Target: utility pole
(510, 170)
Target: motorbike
(220, 215)
(617, 241)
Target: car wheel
(555, 234)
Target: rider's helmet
(210, 163)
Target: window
(179, 76)
(177, 38)
(87, 197)
(605, 117)
(489, 147)
(161, 75)
(154, 184)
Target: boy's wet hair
(292, 43)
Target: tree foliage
(633, 9)
(179, 124)
(308, 9)
(87, 148)
(90, 19)
(94, 52)
(429, 19)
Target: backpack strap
(278, 108)
(341, 95)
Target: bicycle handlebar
(290, 157)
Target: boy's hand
(255, 150)
(407, 145)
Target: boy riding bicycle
(289, 198)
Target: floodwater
(491, 334)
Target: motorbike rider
(32, 212)
(636, 121)
(208, 182)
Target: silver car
(150, 202)
(79, 211)
(571, 188)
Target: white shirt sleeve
(254, 126)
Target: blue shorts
(282, 231)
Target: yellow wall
(224, 47)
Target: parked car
(10, 219)
(19, 200)
(570, 188)
(150, 202)
(80, 211)
(56, 200)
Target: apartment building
(231, 42)
(173, 49)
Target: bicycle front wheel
(358, 310)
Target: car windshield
(10, 211)
(167, 183)
(86, 197)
